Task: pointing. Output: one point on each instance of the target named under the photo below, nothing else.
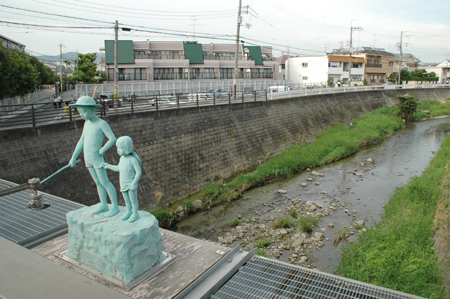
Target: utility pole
(78, 67)
(350, 54)
(400, 59)
(60, 68)
(239, 20)
(116, 60)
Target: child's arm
(110, 166)
(77, 151)
(110, 135)
(137, 177)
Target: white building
(442, 71)
(317, 70)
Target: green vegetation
(284, 222)
(293, 213)
(261, 252)
(235, 221)
(407, 105)
(262, 242)
(190, 208)
(21, 74)
(88, 70)
(416, 75)
(397, 252)
(435, 108)
(164, 217)
(249, 219)
(307, 223)
(342, 234)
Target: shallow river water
(396, 161)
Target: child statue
(129, 169)
(91, 140)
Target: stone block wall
(183, 150)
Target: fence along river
(396, 161)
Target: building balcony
(158, 56)
(373, 65)
(127, 77)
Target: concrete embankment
(183, 150)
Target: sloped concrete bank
(183, 150)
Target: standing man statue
(91, 140)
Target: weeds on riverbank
(397, 252)
(332, 144)
(436, 109)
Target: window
(369, 61)
(333, 64)
(304, 64)
(305, 78)
(375, 62)
(391, 63)
(355, 65)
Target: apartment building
(150, 61)
(11, 44)
(319, 69)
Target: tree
(20, 73)
(407, 105)
(87, 68)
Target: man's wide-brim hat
(86, 101)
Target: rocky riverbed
(294, 244)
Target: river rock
(318, 236)
(282, 191)
(304, 184)
(299, 241)
(198, 204)
(317, 183)
(309, 179)
(369, 160)
(359, 222)
(279, 210)
(331, 225)
(283, 232)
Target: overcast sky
(297, 27)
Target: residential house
(319, 69)
(158, 61)
(10, 44)
(442, 71)
(409, 62)
(379, 64)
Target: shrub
(307, 223)
(263, 242)
(293, 213)
(235, 221)
(284, 222)
(164, 217)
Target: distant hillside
(70, 56)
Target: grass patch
(342, 234)
(293, 213)
(284, 222)
(307, 223)
(397, 252)
(436, 109)
(164, 217)
(261, 252)
(234, 221)
(249, 219)
(263, 242)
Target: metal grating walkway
(26, 227)
(264, 278)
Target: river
(362, 188)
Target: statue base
(113, 247)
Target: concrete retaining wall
(183, 150)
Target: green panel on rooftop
(255, 53)
(193, 52)
(125, 51)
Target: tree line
(21, 73)
(415, 75)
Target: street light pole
(237, 49)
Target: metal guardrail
(32, 115)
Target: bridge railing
(43, 113)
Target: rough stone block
(116, 248)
